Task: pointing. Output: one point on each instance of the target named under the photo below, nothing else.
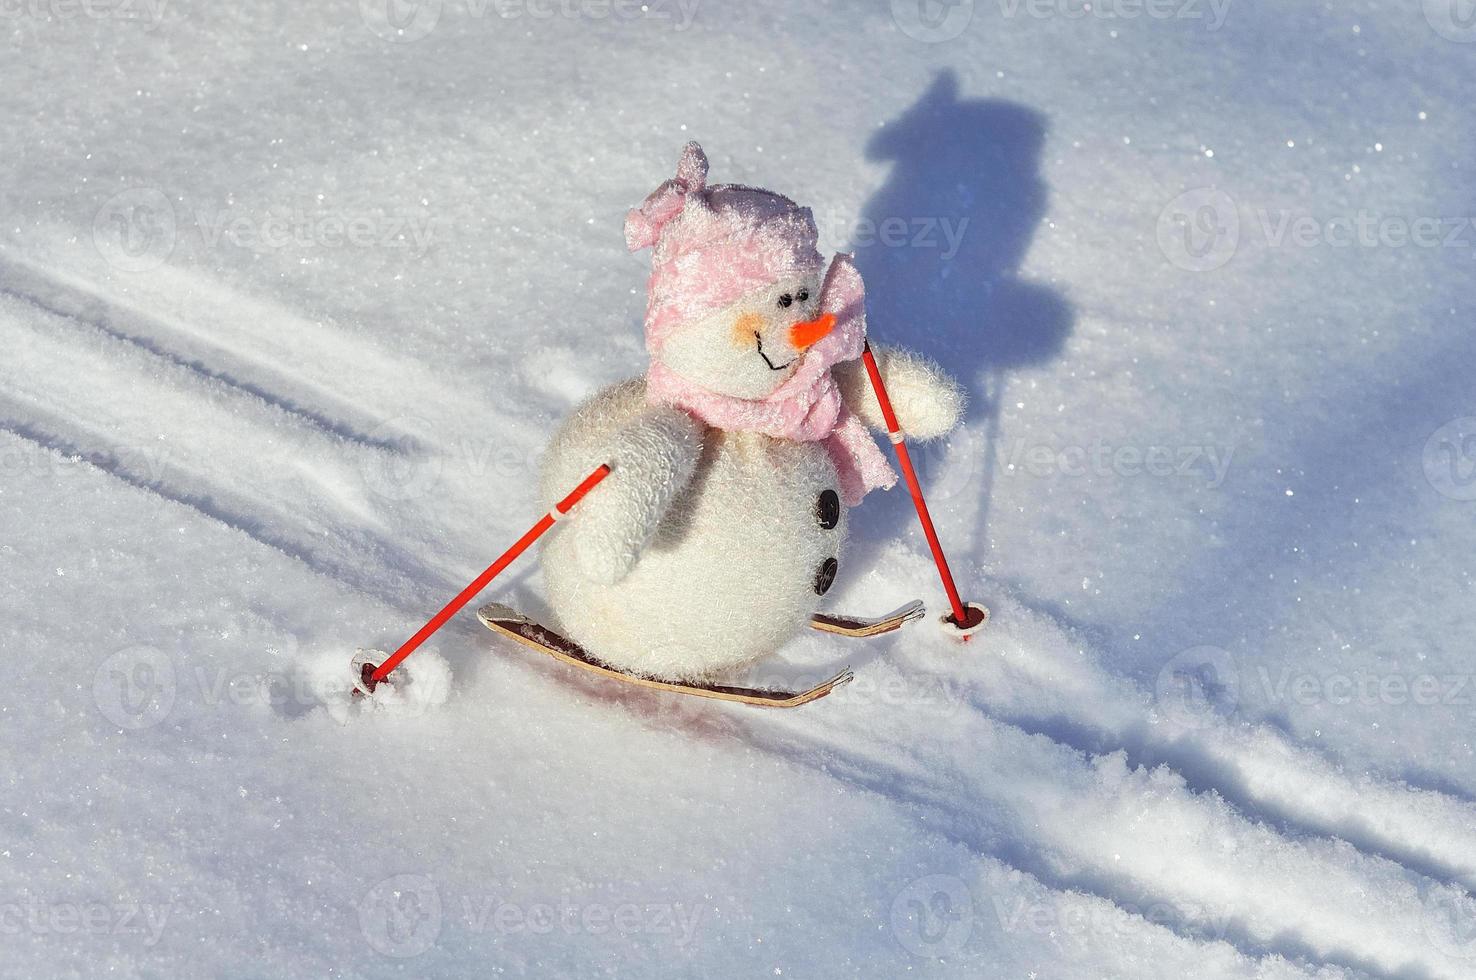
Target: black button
(825, 577)
(827, 510)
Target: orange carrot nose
(803, 335)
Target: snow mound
(422, 682)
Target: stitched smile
(772, 365)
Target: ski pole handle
(480, 582)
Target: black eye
(804, 294)
(786, 299)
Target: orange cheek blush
(745, 327)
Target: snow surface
(290, 302)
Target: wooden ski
(867, 626)
(512, 624)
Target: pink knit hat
(714, 245)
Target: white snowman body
(707, 548)
(733, 568)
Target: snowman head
(749, 348)
(734, 295)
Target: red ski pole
(370, 675)
(966, 618)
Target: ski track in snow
(1033, 705)
(286, 453)
(69, 301)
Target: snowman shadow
(940, 246)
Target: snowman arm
(652, 458)
(927, 401)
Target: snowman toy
(734, 460)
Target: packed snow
(292, 295)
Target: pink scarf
(808, 406)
